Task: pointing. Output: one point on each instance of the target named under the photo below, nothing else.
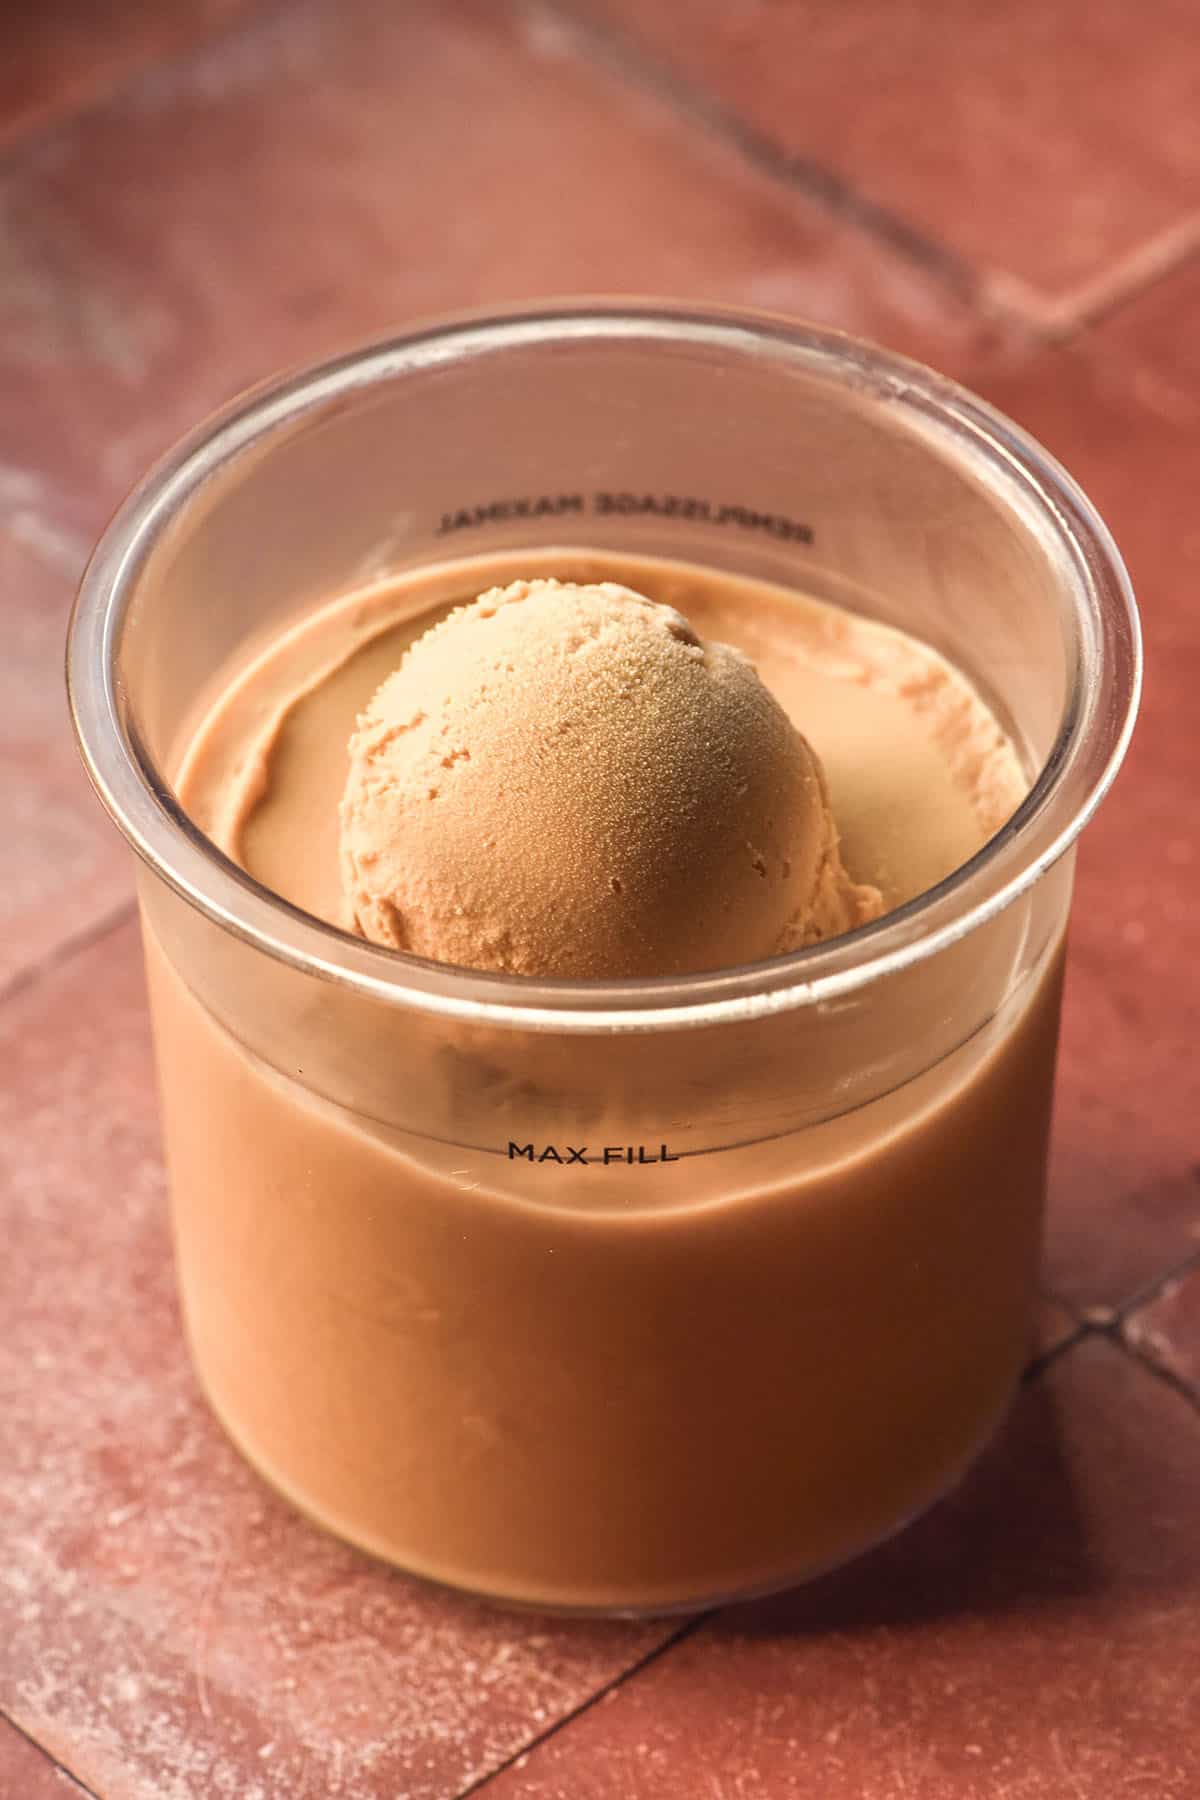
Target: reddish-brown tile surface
(194, 194)
(1155, 337)
(1167, 1329)
(1054, 1327)
(27, 1774)
(1123, 411)
(168, 1630)
(62, 53)
(62, 866)
(1026, 1641)
(1051, 139)
(322, 173)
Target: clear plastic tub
(786, 1297)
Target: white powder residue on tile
(167, 1627)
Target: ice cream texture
(600, 1382)
(563, 780)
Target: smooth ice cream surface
(918, 769)
(564, 780)
(463, 1317)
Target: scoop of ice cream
(564, 781)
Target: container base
(705, 1601)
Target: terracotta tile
(61, 54)
(1054, 1327)
(324, 173)
(1167, 1329)
(1025, 1641)
(1048, 142)
(167, 1628)
(1154, 337)
(27, 1774)
(62, 866)
(1122, 412)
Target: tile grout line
(63, 952)
(1111, 1318)
(1062, 320)
(609, 1687)
(1111, 1324)
(993, 295)
(1033, 1371)
(62, 1768)
(813, 179)
(1154, 1290)
(1177, 1383)
(1114, 1335)
(1037, 1365)
(1124, 1318)
(1054, 322)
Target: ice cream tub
(610, 1295)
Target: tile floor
(192, 195)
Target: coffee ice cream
(564, 780)
(606, 1319)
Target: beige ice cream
(562, 1317)
(564, 780)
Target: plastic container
(786, 1297)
